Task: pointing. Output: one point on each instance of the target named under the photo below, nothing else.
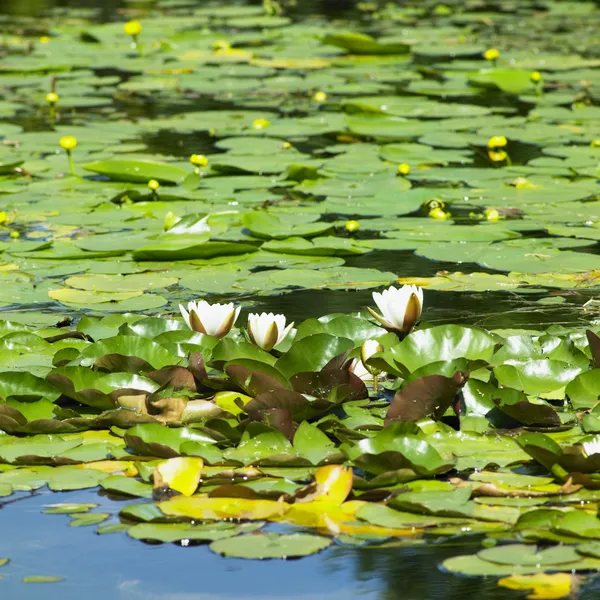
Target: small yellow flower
(352, 226)
(491, 214)
(3, 217)
(153, 185)
(497, 141)
(52, 97)
(221, 45)
(285, 145)
(199, 160)
(320, 97)
(497, 155)
(403, 169)
(132, 28)
(15, 235)
(491, 54)
(68, 142)
(44, 39)
(260, 124)
(595, 143)
(439, 214)
(535, 76)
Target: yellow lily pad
(181, 474)
(200, 507)
(542, 586)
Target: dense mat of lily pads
(233, 151)
(309, 146)
(352, 431)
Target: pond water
(513, 244)
(114, 566)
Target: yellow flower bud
(132, 28)
(52, 98)
(535, 76)
(3, 217)
(497, 155)
(403, 169)
(260, 124)
(285, 145)
(595, 143)
(153, 185)
(15, 235)
(320, 97)
(439, 214)
(491, 214)
(199, 160)
(497, 141)
(491, 54)
(44, 39)
(352, 226)
(68, 142)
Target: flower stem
(71, 163)
(375, 383)
(137, 45)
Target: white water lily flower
(400, 308)
(267, 330)
(210, 319)
(592, 447)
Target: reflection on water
(115, 566)
(489, 309)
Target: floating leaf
(271, 545)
